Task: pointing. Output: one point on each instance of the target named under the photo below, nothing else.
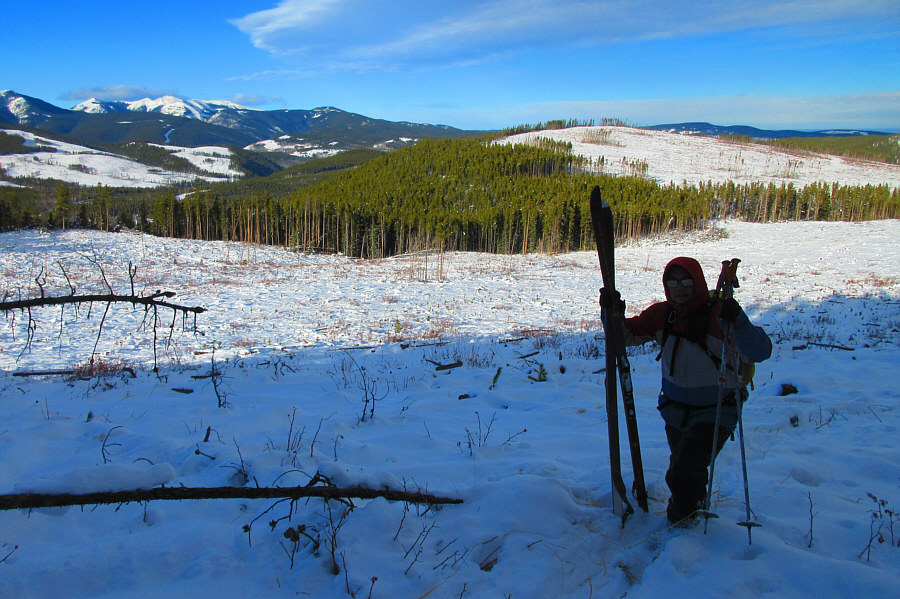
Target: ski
(617, 363)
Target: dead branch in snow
(152, 300)
(42, 500)
(825, 345)
(151, 303)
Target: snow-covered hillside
(673, 158)
(78, 164)
(212, 159)
(292, 348)
(295, 146)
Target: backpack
(697, 327)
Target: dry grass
(441, 327)
(100, 367)
(219, 281)
(880, 282)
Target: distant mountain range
(752, 132)
(304, 133)
(193, 123)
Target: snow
(73, 163)
(19, 107)
(673, 158)
(301, 340)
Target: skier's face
(679, 285)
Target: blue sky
(488, 64)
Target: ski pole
(747, 522)
(724, 289)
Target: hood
(701, 289)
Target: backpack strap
(697, 327)
(667, 330)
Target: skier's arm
(613, 303)
(752, 341)
(646, 326)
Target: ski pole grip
(732, 272)
(728, 280)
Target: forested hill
(470, 194)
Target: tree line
(453, 194)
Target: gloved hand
(612, 301)
(730, 309)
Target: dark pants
(687, 476)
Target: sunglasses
(673, 283)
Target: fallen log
(146, 300)
(44, 373)
(26, 501)
(825, 345)
(438, 366)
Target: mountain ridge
(192, 123)
(708, 129)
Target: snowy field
(673, 158)
(517, 430)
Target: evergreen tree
(63, 205)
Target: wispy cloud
(357, 34)
(115, 92)
(277, 29)
(255, 100)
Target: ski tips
(597, 201)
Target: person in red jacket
(690, 329)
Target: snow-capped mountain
(95, 106)
(171, 105)
(25, 110)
